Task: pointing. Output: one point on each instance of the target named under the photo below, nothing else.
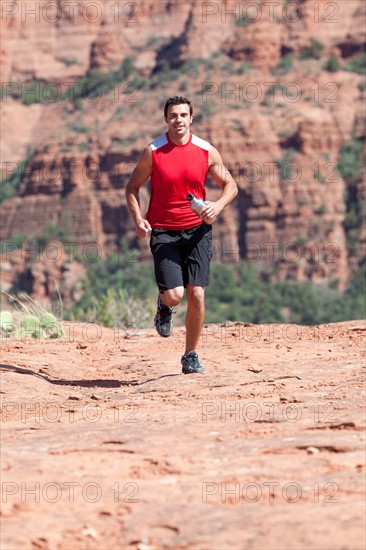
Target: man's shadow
(100, 383)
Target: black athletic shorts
(182, 257)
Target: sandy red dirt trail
(109, 446)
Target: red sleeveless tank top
(176, 171)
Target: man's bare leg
(195, 316)
(173, 296)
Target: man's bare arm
(139, 176)
(223, 177)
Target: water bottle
(197, 206)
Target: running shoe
(163, 319)
(191, 363)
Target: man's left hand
(210, 211)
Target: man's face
(178, 119)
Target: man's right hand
(143, 228)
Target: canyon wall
(264, 93)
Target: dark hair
(177, 100)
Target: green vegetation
(93, 85)
(332, 65)
(30, 326)
(205, 112)
(53, 232)
(322, 209)
(244, 67)
(35, 91)
(350, 166)
(9, 186)
(6, 322)
(84, 146)
(118, 289)
(285, 164)
(243, 21)
(80, 128)
(50, 326)
(115, 308)
(237, 293)
(357, 64)
(31, 318)
(284, 65)
(97, 83)
(184, 86)
(69, 61)
(319, 176)
(123, 291)
(15, 242)
(39, 91)
(313, 51)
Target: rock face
(255, 73)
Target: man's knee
(173, 296)
(196, 295)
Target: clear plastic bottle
(197, 206)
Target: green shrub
(165, 75)
(50, 325)
(244, 67)
(350, 166)
(9, 186)
(191, 65)
(30, 326)
(322, 209)
(40, 91)
(319, 176)
(15, 243)
(80, 128)
(69, 61)
(115, 308)
(47, 319)
(84, 146)
(313, 51)
(18, 239)
(97, 83)
(357, 64)
(54, 231)
(184, 86)
(332, 65)
(243, 21)
(284, 164)
(123, 291)
(284, 65)
(350, 163)
(6, 322)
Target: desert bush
(285, 164)
(31, 318)
(97, 83)
(350, 166)
(7, 325)
(350, 163)
(357, 64)
(9, 186)
(332, 65)
(30, 326)
(313, 51)
(115, 307)
(284, 65)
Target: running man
(181, 243)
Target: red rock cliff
(255, 72)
